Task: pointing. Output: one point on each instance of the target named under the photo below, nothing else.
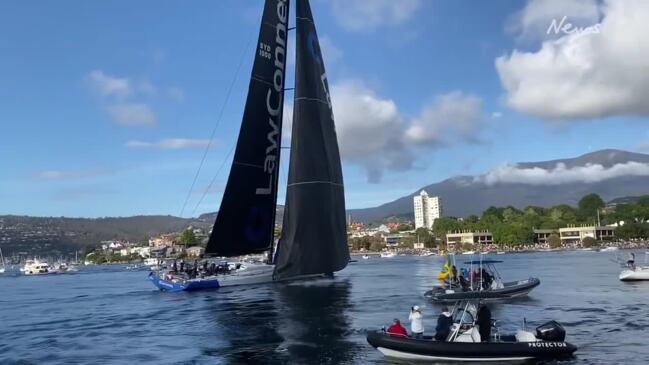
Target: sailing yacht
(313, 241)
(2, 262)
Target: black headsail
(245, 221)
(314, 233)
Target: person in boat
(631, 261)
(454, 273)
(212, 270)
(464, 284)
(182, 265)
(486, 279)
(174, 267)
(396, 329)
(416, 322)
(195, 269)
(484, 323)
(444, 323)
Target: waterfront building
(541, 235)
(427, 209)
(393, 240)
(575, 235)
(195, 251)
(470, 237)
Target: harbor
(188, 195)
(101, 308)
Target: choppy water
(106, 315)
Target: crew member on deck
(416, 322)
(444, 323)
(484, 323)
(631, 261)
(396, 329)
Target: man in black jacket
(484, 323)
(444, 323)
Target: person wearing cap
(416, 322)
(396, 329)
(444, 323)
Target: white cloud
(560, 174)
(581, 75)
(330, 52)
(170, 143)
(110, 86)
(367, 15)
(453, 116)
(128, 101)
(68, 174)
(369, 129)
(132, 114)
(534, 20)
(374, 134)
(496, 115)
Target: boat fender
(449, 291)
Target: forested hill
(51, 234)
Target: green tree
(444, 225)
(403, 227)
(188, 238)
(588, 242)
(554, 241)
(424, 235)
(643, 201)
(588, 206)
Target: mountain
(544, 183)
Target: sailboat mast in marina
(314, 239)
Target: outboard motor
(551, 331)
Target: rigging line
(218, 122)
(209, 186)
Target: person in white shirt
(416, 322)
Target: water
(110, 316)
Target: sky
(107, 107)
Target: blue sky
(106, 106)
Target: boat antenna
(216, 125)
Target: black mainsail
(314, 233)
(245, 222)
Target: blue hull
(169, 286)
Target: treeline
(513, 226)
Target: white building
(576, 235)
(427, 209)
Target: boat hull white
(408, 356)
(639, 274)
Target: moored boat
(388, 254)
(37, 267)
(2, 263)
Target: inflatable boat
(479, 280)
(500, 291)
(464, 342)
